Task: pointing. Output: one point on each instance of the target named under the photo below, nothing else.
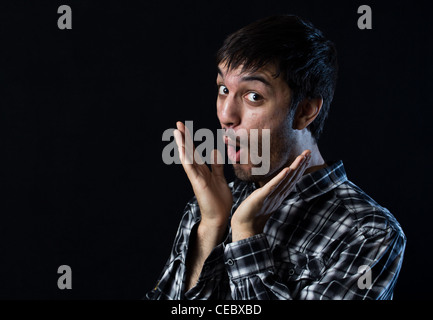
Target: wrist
(212, 230)
(247, 229)
(240, 232)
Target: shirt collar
(321, 181)
(308, 187)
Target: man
(301, 231)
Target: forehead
(268, 72)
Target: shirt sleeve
(171, 280)
(251, 268)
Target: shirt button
(230, 262)
(291, 272)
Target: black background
(83, 112)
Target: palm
(210, 187)
(254, 211)
(211, 190)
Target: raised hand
(253, 213)
(210, 187)
(214, 199)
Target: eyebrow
(249, 78)
(256, 78)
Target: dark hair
(302, 55)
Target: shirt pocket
(297, 268)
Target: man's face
(255, 100)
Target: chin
(243, 172)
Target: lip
(233, 154)
(230, 142)
(233, 150)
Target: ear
(307, 111)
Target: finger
(217, 163)
(274, 183)
(270, 203)
(274, 191)
(181, 127)
(186, 133)
(187, 144)
(294, 172)
(190, 159)
(185, 158)
(287, 186)
(179, 138)
(299, 159)
(282, 184)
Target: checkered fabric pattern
(319, 244)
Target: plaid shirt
(320, 244)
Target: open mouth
(237, 145)
(233, 150)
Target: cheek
(254, 117)
(255, 120)
(280, 135)
(258, 120)
(279, 120)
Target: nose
(229, 112)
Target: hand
(253, 213)
(210, 187)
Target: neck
(305, 141)
(316, 162)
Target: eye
(223, 90)
(253, 97)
